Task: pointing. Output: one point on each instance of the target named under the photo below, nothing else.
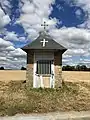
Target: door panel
(43, 77)
(43, 81)
(46, 81)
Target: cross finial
(44, 25)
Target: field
(15, 98)
(76, 76)
(12, 75)
(70, 76)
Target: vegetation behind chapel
(75, 68)
(64, 68)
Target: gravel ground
(52, 116)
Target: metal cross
(44, 25)
(44, 42)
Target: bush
(1, 68)
(75, 68)
(23, 68)
(68, 68)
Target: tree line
(2, 68)
(75, 68)
(71, 68)
(65, 68)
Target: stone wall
(58, 69)
(29, 73)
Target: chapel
(44, 62)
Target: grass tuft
(16, 98)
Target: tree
(68, 68)
(83, 68)
(1, 68)
(88, 69)
(23, 68)
(78, 68)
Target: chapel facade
(44, 62)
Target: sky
(68, 24)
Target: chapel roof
(50, 45)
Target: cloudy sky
(20, 23)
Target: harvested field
(16, 75)
(16, 98)
(12, 75)
(76, 76)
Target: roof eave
(64, 50)
(26, 50)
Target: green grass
(15, 98)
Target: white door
(44, 74)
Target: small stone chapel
(44, 62)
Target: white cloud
(88, 60)
(33, 14)
(4, 19)
(10, 48)
(16, 59)
(75, 52)
(12, 36)
(17, 53)
(32, 33)
(78, 13)
(4, 44)
(10, 57)
(75, 40)
(72, 37)
(66, 56)
(6, 5)
(85, 5)
(28, 8)
(66, 60)
(3, 59)
(59, 7)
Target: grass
(15, 98)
